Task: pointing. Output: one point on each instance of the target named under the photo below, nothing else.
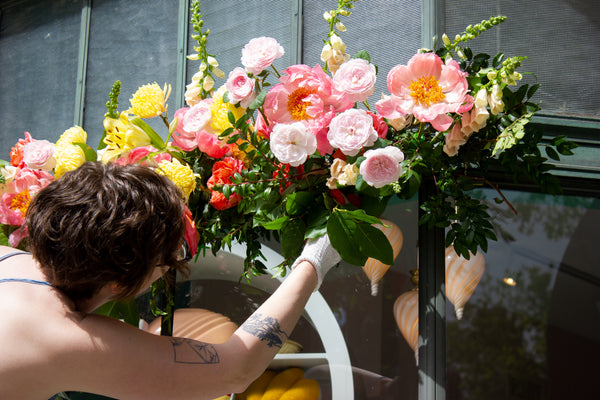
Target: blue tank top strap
(16, 253)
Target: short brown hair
(105, 223)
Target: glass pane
(233, 23)
(531, 330)
(389, 30)
(384, 366)
(39, 43)
(560, 39)
(134, 42)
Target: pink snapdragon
(292, 143)
(240, 87)
(382, 166)
(356, 78)
(260, 53)
(351, 131)
(39, 154)
(426, 88)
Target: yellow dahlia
(150, 100)
(219, 110)
(69, 156)
(181, 174)
(122, 136)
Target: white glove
(321, 254)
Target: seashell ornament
(375, 269)
(462, 277)
(406, 314)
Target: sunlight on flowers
(149, 100)
(181, 174)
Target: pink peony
(39, 154)
(352, 131)
(210, 144)
(15, 201)
(240, 87)
(260, 53)
(356, 78)
(319, 127)
(382, 166)
(137, 154)
(426, 88)
(33, 180)
(292, 143)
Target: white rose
(292, 143)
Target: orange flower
(16, 152)
(222, 172)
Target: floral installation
(295, 154)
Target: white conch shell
(462, 276)
(406, 313)
(375, 269)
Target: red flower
(379, 125)
(222, 172)
(191, 235)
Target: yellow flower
(181, 174)
(219, 110)
(69, 156)
(149, 100)
(122, 136)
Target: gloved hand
(321, 254)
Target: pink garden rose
(198, 116)
(356, 78)
(183, 139)
(136, 155)
(352, 131)
(426, 88)
(260, 53)
(240, 87)
(382, 166)
(39, 154)
(292, 143)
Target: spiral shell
(375, 269)
(406, 314)
(462, 276)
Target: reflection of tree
(498, 349)
(558, 215)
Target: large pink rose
(183, 139)
(260, 53)
(240, 87)
(197, 117)
(351, 131)
(426, 88)
(382, 166)
(356, 78)
(292, 143)
(210, 144)
(39, 154)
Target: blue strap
(24, 280)
(4, 257)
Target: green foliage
(125, 310)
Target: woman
(105, 232)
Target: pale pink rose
(352, 131)
(39, 155)
(292, 143)
(382, 166)
(356, 78)
(240, 87)
(260, 53)
(210, 144)
(137, 154)
(183, 139)
(198, 116)
(426, 88)
(454, 139)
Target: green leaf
(341, 233)
(363, 54)
(297, 203)
(276, 224)
(552, 153)
(374, 243)
(292, 238)
(90, 154)
(125, 310)
(155, 139)
(259, 100)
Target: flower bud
(193, 57)
(208, 83)
(327, 16)
(212, 61)
(340, 27)
(446, 40)
(218, 73)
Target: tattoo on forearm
(187, 351)
(267, 329)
